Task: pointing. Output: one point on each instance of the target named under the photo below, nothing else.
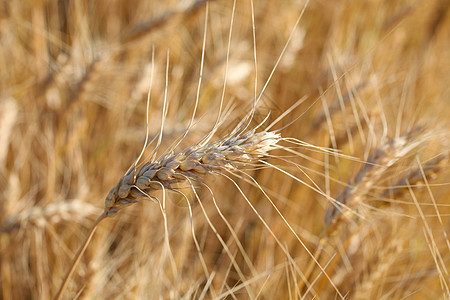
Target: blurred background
(74, 78)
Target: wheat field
(338, 112)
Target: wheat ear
(171, 170)
(383, 158)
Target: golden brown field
(353, 201)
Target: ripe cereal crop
(225, 149)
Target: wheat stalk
(237, 151)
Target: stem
(312, 265)
(78, 256)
